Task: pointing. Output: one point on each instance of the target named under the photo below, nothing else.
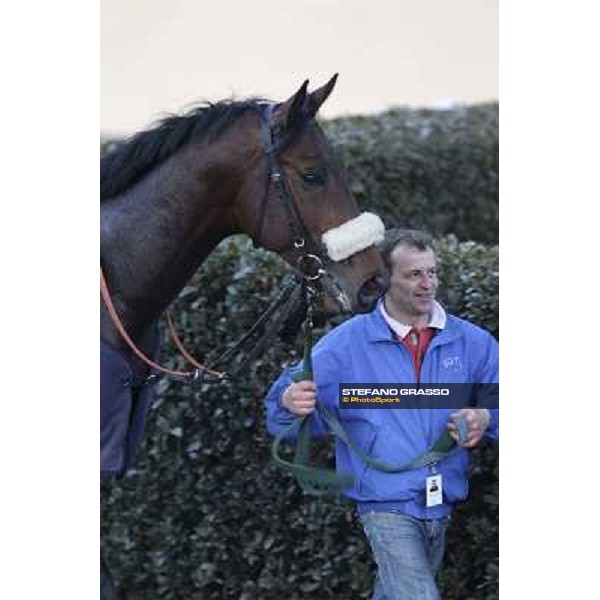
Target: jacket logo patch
(452, 363)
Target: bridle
(272, 142)
(311, 265)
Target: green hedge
(205, 515)
(430, 169)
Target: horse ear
(319, 96)
(291, 110)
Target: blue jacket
(364, 350)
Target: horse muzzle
(355, 279)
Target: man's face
(413, 282)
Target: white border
(549, 136)
(49, 252)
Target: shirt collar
(437, 320)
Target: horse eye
(313, 177)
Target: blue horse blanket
(124, 405)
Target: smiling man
(408, 339)
(410, 298)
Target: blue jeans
(408, 553)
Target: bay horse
(171, 193)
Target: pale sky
(160, 56)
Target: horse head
(306, 212)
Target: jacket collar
(378, 329)
(436, 321)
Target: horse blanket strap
(124, 405)
(317, 481)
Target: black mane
(125, 165)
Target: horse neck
(156, 235)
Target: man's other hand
(477, 420)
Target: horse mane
(145, 150)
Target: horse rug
(124, 405)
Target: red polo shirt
(417, 341)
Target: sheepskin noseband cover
(353, 236)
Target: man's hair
(421, 240)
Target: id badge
(433, 487)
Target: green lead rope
(318, 481)
(313, 480)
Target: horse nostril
(371, 291)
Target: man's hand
(477, 420)
(300, 398)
